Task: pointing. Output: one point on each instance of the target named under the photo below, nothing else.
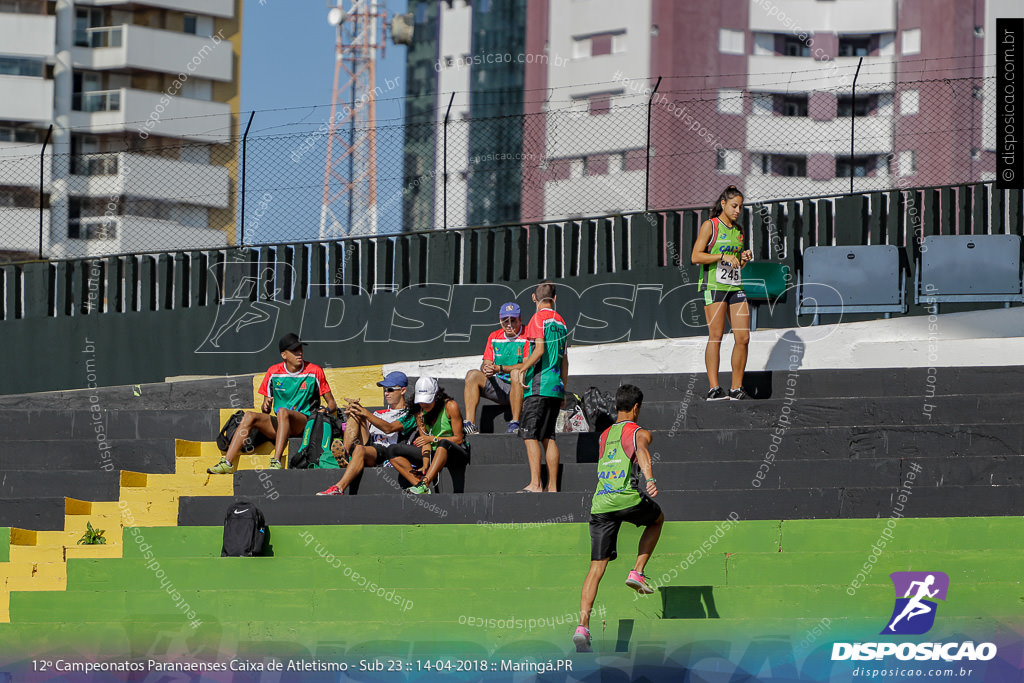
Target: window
(794, 47)
(909, 100)
(860, 167)
(731, 42)
(600, 104)
(421, 12)
(581, 47)
(764, 105)
(729, 161)
(19, 66)
(16, 134)
(792, 105)
(191, 24)
(911, 41)
(600, 45)
(730, 101)
(864, 105)
(793, 167)
(908, 162)
(854, 46)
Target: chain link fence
(622, 151)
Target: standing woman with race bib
(719, 253)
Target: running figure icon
(915, 607)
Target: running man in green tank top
(620, 497)
(720, 254)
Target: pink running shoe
(332, 491)
(581, 639)
(638, 582)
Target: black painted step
(908, 441)
(140, 455)
(41, 514)
(867, 382)
(112, 424)
(690, 476)
(84, 485)
(222, 392)
(484, 508)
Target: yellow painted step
(33, 554)
(111, 532)
(37, 583)
(93, 551)
(20, 569)
(187, 484)
(5, 606)
(50, 570)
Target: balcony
(150, 177)
(769, 73)
(20, 228)
(27, 99)
(215, 8)
(19, 164)
(110, 111)
(802, 135)
(766, 187)
(140, 47)
(102, 235)
(864, 16)
(27, 35)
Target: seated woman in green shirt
(439, 420)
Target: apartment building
(143, 98)
(768, 84)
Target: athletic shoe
(470, 428)
(332, 491)
(638, 582)
(223, 467)
(275, 464)
(420, 488)
(513, 427)
(581, 639)
(717, 394)
(739, 395)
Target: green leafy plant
(92, 536)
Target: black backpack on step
(245, 530)
(227, 432)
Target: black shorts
(414, 454)
(714, 296)
(496, 390)
(539, 416)
(604, 526)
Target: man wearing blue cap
(506, 347)
(369, 435)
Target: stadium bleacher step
(114, 424)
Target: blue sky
(288, 65)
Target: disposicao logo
(914, 614)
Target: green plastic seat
(764, 281)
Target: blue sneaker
(513, 427)
(470, 428)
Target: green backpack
(315, 451)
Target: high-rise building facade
(756, 93)
(143, 98)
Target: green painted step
(5, 544)
(966, 533)
(804, 568)
(321, 604)
(326, 641)
(452, 571)
(439, 539)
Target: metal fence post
(853, 117)
(245, 139)
(445, 189)
(647, 181)
(42, 162)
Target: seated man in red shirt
(506, 347)
(293, 389)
